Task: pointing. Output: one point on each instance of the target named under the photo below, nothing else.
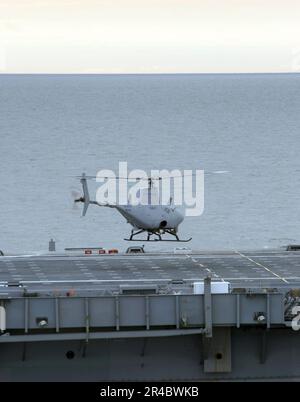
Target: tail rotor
(85, 199)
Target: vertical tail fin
(86, 195)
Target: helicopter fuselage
(151, 217)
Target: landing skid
(155, 240)
(158, 233)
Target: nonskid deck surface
(241, 269)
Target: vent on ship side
(138, 290)
(293, 247)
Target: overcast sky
(149, 36)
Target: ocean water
(55, 127)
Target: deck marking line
(261, 265)
(202, 266)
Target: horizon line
(152, 73)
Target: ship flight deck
(241, 269)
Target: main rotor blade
(150, 177)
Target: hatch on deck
(135, 250)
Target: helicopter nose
(180, 216)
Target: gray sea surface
(53, 127)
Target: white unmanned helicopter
(156, 220)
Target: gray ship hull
(137, 317)
(253, 357)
